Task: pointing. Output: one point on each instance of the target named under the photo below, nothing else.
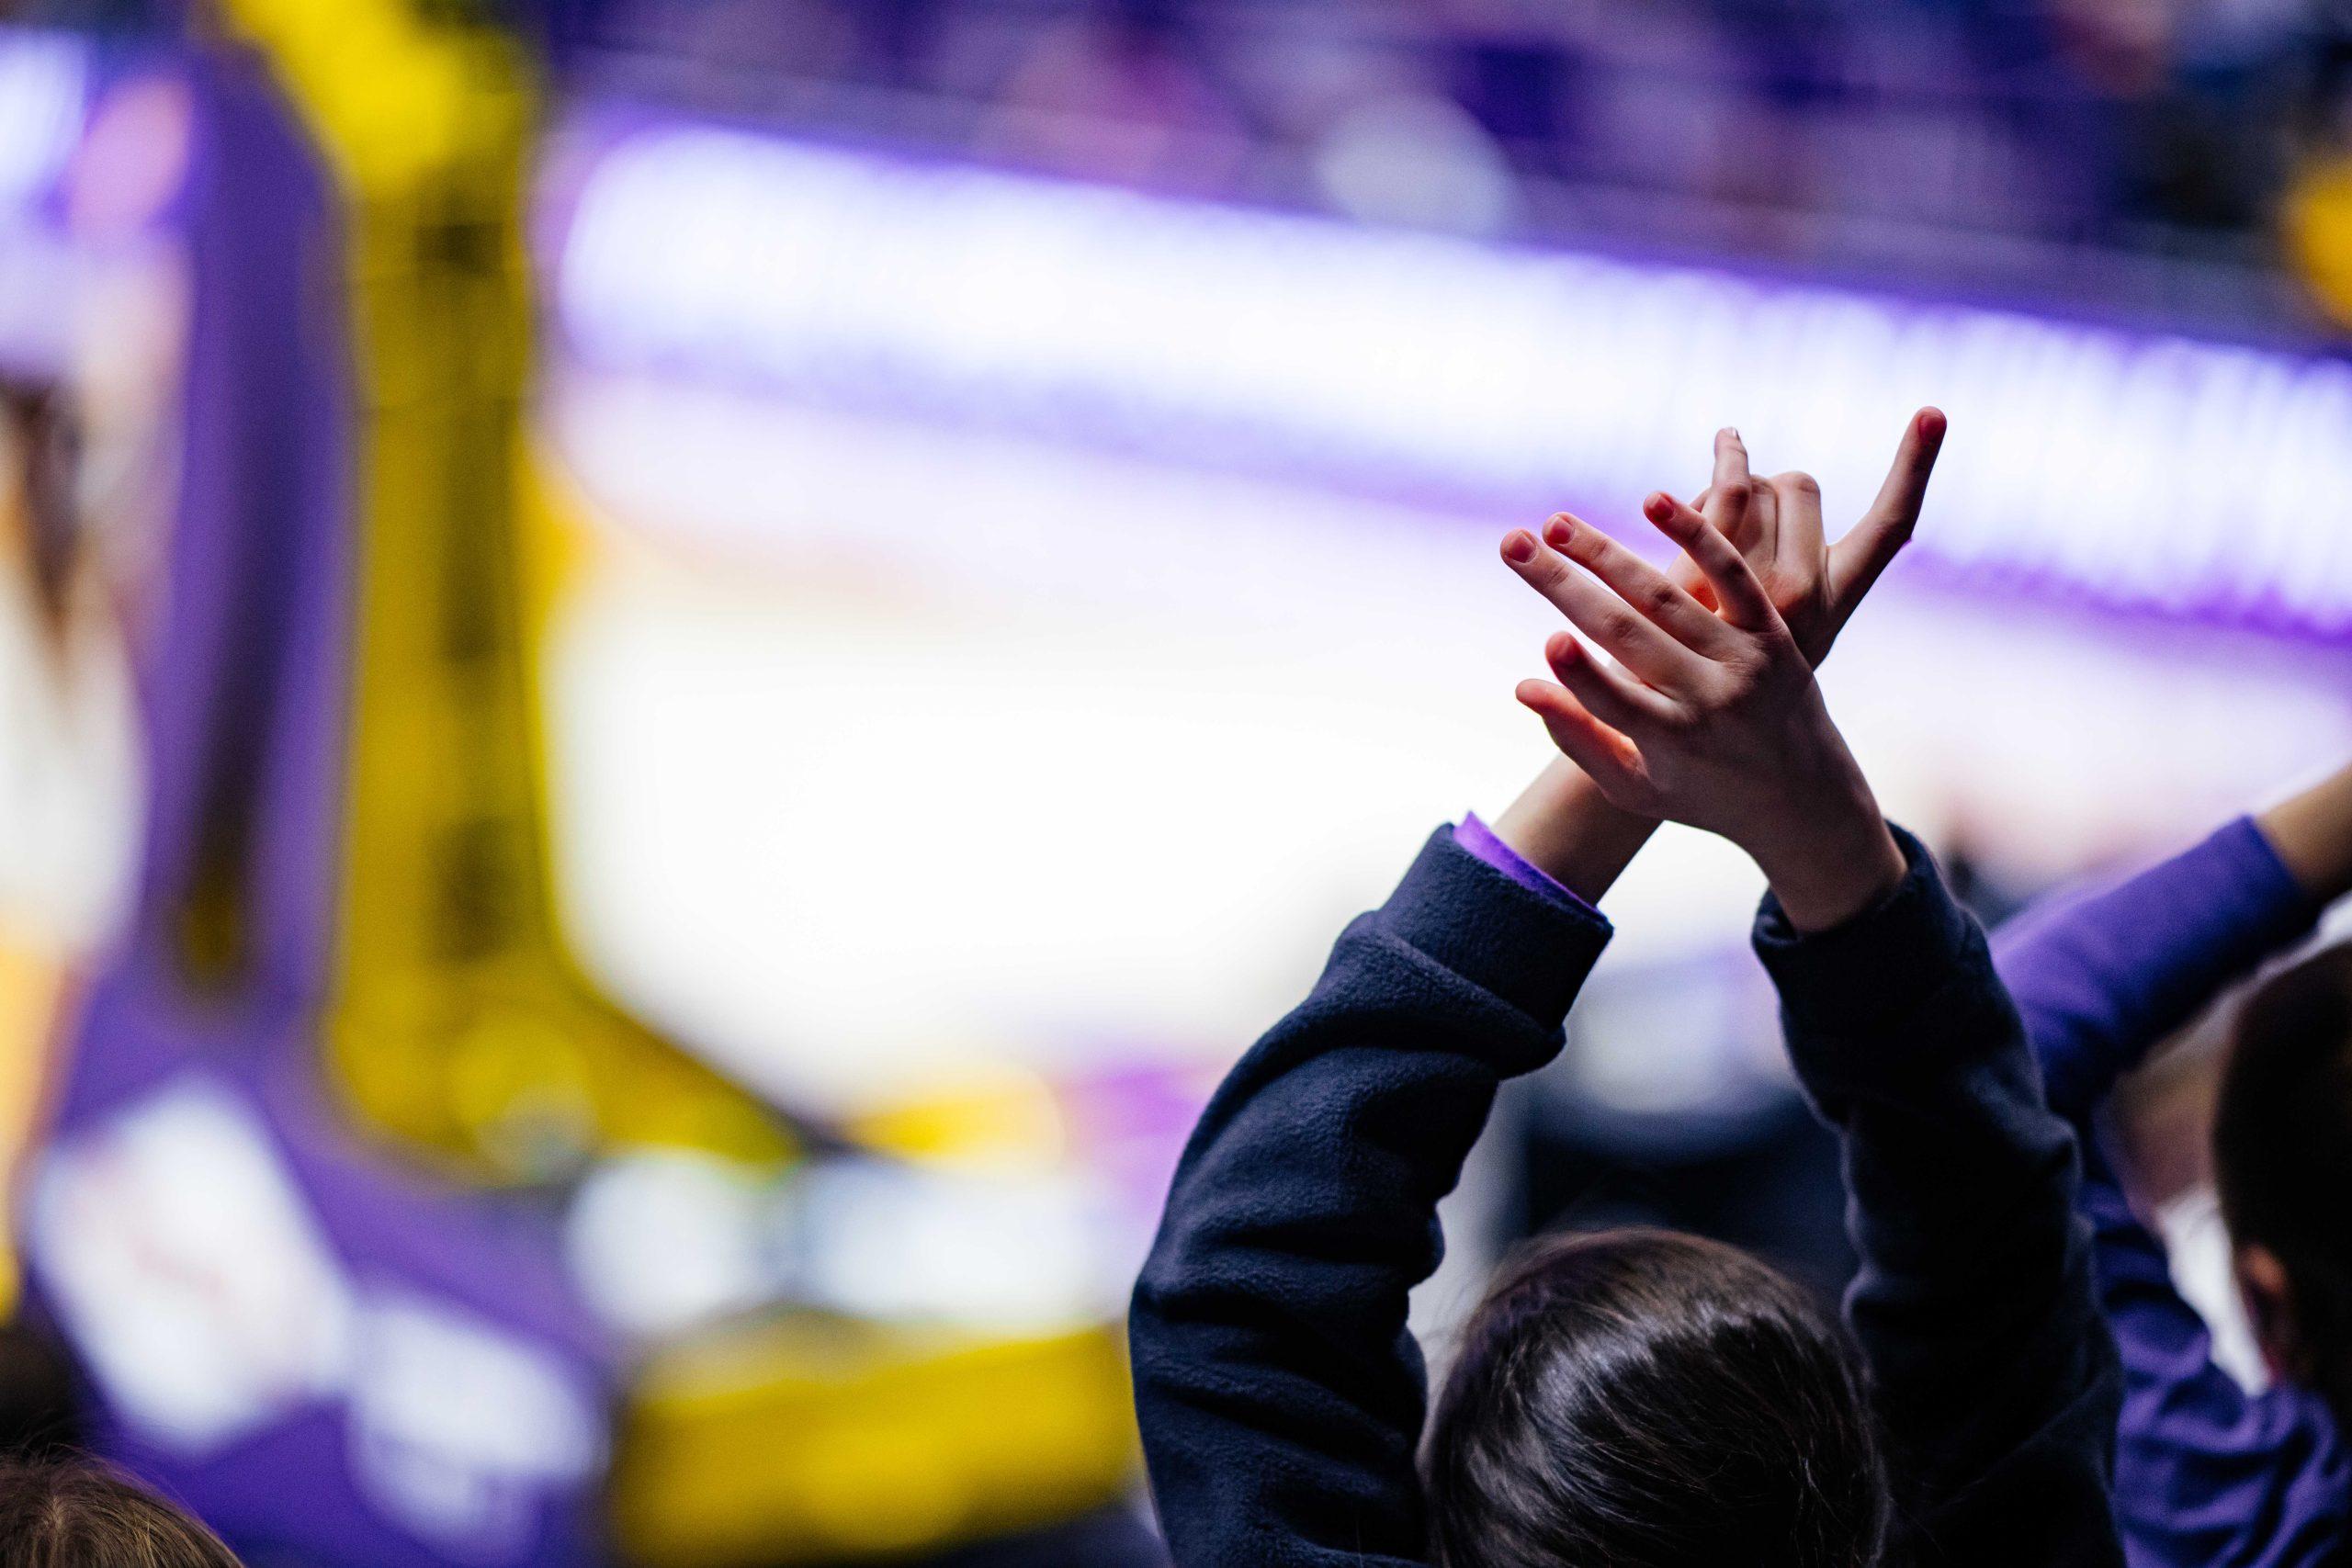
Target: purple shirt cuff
(1480, 841)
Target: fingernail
(1558, 532)
(1731, 431)
(1659, 506)
(1518, 545)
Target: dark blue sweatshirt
(1280, 1393)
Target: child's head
(2282, 1158)
(1647, 1399)
(76, 1514)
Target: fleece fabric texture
(1280, 1396)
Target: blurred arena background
(674, 674)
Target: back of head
(2282, 1159)
(77, 1514)
(1650, 1400)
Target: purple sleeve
(1479, 839)
(2204, 1473)
(2101, 978)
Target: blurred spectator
(2035, 132)
(1116, 94)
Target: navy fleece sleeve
(1280, 1393)
(1993, 1369)
(2204, 1472)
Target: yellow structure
(460, 1024)
(2318, 224)
(459, 1020)
(820, 1440)
(29, 983)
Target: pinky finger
(1608, 758)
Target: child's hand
(1561, 823)
(1775, 525)
(1713, 720)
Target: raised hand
(1712, 716)
(1776, 525)
(1560, 822)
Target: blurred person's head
(2282, 1160)
(1652, 1399)
(74, 1514)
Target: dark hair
(2282, 1149)
(1650, 1400)
(76, 1514)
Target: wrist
(2311, 835)
(1563, 826)
(1831, 866)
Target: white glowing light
(2132, 468)
(665, 1242)
(190, 1269)
(194, 1276)
(460, 1430)
(43, 88)
(43, 94)
(1014, 1255)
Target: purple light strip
(2129, 469)
(2132, 470)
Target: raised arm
(2311, 834)
(2103, 976)
(1562, 823)
(1280, 1393)
(2204, 1472)
(1975, 1304)
(1975, 1301)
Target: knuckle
(1801, 484)
(1779, 661)
(1660, 596)
(1617, 625)
(1752, 664)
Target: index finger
(1742, 598)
